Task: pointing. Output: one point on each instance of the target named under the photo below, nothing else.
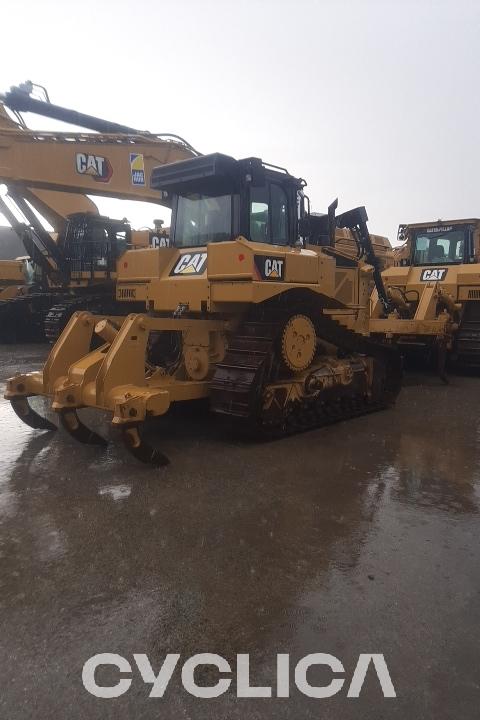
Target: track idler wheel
(142, 450)
(29, 416)
(78, 430)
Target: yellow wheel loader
(251, 307)
(434, 293)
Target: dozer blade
(29, 416)
(142, 450)
(78, 430)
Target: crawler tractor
(251, 307)
(434, 293)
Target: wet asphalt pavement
(361, 537)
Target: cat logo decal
(268, 267)
(433, 274)
(190, 264)
(97, 166)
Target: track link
(22, 318)
(59, 314)
(467, 342)
(251, 362)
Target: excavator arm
(53, 205)
(55, 172)
(113, 161)
(111, 165)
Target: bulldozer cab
(442, 245)
(215, 198)
(447, 243)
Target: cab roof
(443, 223)
(217, 173)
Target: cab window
(439, 248)
(278, 199)
(269, 215)
(203, 219)
(259, 206)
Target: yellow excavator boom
(92, 163)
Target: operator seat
(438, 254)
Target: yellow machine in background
(15, 275)
(23, 275)
(52, 173)
(434, 292)
(382, 247)
(252, 306)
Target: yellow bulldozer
(252, 306)
(434, 293)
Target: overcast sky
(374, 102)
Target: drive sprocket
(298, 343)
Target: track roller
(78, 430)
(29, 416)
(142, 450)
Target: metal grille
(93, 244)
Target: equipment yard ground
(357, 538)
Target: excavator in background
(22, 275)
(251, 306)
(51, 173)
(434, 293)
